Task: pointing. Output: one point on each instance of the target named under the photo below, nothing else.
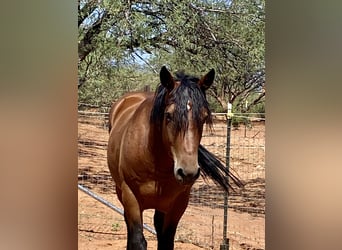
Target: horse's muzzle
(186, 177)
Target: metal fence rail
(113, 207)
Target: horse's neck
(160, 150)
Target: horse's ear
(166, 78)
(206, 81)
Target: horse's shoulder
(130, 106)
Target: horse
(154, 153)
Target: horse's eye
(168, 117)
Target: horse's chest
(159, 196)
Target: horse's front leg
(133, 219)
(165, 235)
(166, 224)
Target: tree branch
(87, 44)
(86, 10)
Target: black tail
(213, 168)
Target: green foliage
(122, 46)
(103, 91)
(115, 227)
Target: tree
(230, 37)
(189, 35)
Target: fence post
(225, 241)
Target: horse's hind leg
(133, 219)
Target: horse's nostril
(180, 172)
(185, 177)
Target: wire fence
(202, 223)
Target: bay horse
(154, 153)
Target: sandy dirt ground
(201, 226)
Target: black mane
(187, 90)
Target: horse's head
(184, 110)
